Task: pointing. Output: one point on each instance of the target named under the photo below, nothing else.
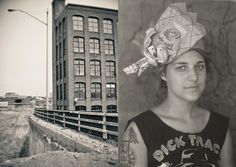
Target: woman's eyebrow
(184, 63)
(180, 63)
(199, 62)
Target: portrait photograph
(176, 83)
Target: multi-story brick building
(84, 57)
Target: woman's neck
(178, 107)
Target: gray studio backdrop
(139, 94)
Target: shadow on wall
(139, 94)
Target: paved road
(13, 130)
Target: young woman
(177, 132)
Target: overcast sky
(23, 45)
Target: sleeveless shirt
(168, 147)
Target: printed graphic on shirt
(192, 154)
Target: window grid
(80, 108)
(110, 90)
(110, 69)
(94, 46)
(111, 108)
(80, 90)
(93, 24)
(107, 26)
(109, 47)
(95, 68)
(78, 23)
(96, 108)
(79, 67)
(78, 43)
(96, 91)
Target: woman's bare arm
(132, 150)
(226, 154)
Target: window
(95, 68)
(109, 47)
(60, 30)
(111, 90)
(79, 67)
(78, 44)
(64, 47)
(80, 90)
(96, 108)
(94, 46)
(64, 68)
(93, 24)
(60, 71)
(110, 69)
(64, 25)
(95, 90)
(111, 108)
(56, 52)
(57, 92)
(78, 23)
(60, 55)
(80, 108)
(60, 91)
(57, 35)
(107, 26)
(65, 91)
(56, 72)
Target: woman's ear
(163, 76)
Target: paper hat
(176, 32)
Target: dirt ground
(61, 159)
(14, 128)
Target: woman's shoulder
(144, 120)
(219, 118)
(142, 115)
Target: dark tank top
(168, 147)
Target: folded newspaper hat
(176, 32)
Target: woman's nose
(193, 76)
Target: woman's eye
(200, 66)
(181, 68)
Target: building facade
(84, 57)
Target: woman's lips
(192, 87)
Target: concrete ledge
(72, 140)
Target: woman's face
(186, 76)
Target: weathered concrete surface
(19, 139)
(139, 94)
(61, 159)
(72, 140)
(14, 128)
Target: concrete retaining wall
(43, 139)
